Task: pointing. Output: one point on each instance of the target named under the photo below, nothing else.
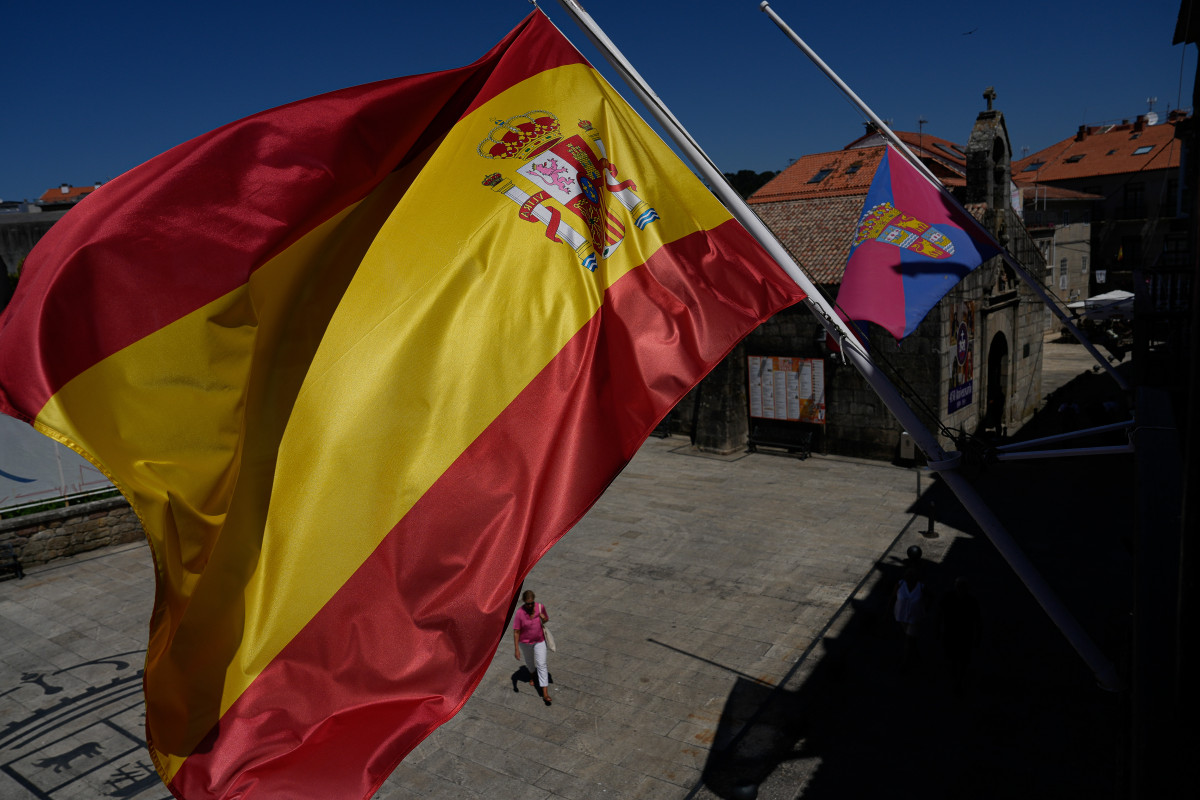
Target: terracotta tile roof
(850, 170)
(1104, 150)
(1047, 192)
(65, 193)
(815, 219)
(946, 156)
(816, 231)
(842, 172)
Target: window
(1034, 166)
(1083, 268)
(1141, 151)
(1110, 152)
(820, 176)
(1066, 217)
(1175, 252)
(1171, 201)
(1135, 196)
(1075, 159)
(853, 168)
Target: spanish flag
(357, 363)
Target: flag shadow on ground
(1028, 719)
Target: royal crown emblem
(885, 223)
(521, 137)
(553, 171)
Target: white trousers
(535, 659)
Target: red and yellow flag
(357, 363)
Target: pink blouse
(530, 626)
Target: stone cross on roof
(989, 94)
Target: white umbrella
(1117, 303)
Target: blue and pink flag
(911, 246)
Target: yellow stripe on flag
(434, 338)
(457, 305)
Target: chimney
(65, 188)
(1082, 134)
(1139, 124)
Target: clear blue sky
(93, 89)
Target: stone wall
(920, 366)
(19, 232)
(859, 424)
(1027, 357)
(45, 536)
(720, 403)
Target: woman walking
(529, 641)
(908, 605)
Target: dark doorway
(997, 384)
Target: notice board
(785, 388)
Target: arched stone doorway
(997, 384)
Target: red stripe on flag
(194, 223)
(366, 680)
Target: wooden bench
(793, 442)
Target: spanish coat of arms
(554, 170)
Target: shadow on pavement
(1030, 721)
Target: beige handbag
(549, 636)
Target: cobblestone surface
(722, 629)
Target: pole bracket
(950, 462)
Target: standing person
(529, 640)
(908, 607)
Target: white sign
(34, 467)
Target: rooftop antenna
(921, 122)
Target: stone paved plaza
(722, 628)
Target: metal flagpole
(1062, 437)
(929, 176)
(1109, 450)
(1016, 450)
(939, 459)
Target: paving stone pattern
(722, 629)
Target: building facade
(1122, 181)
(972, 367)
